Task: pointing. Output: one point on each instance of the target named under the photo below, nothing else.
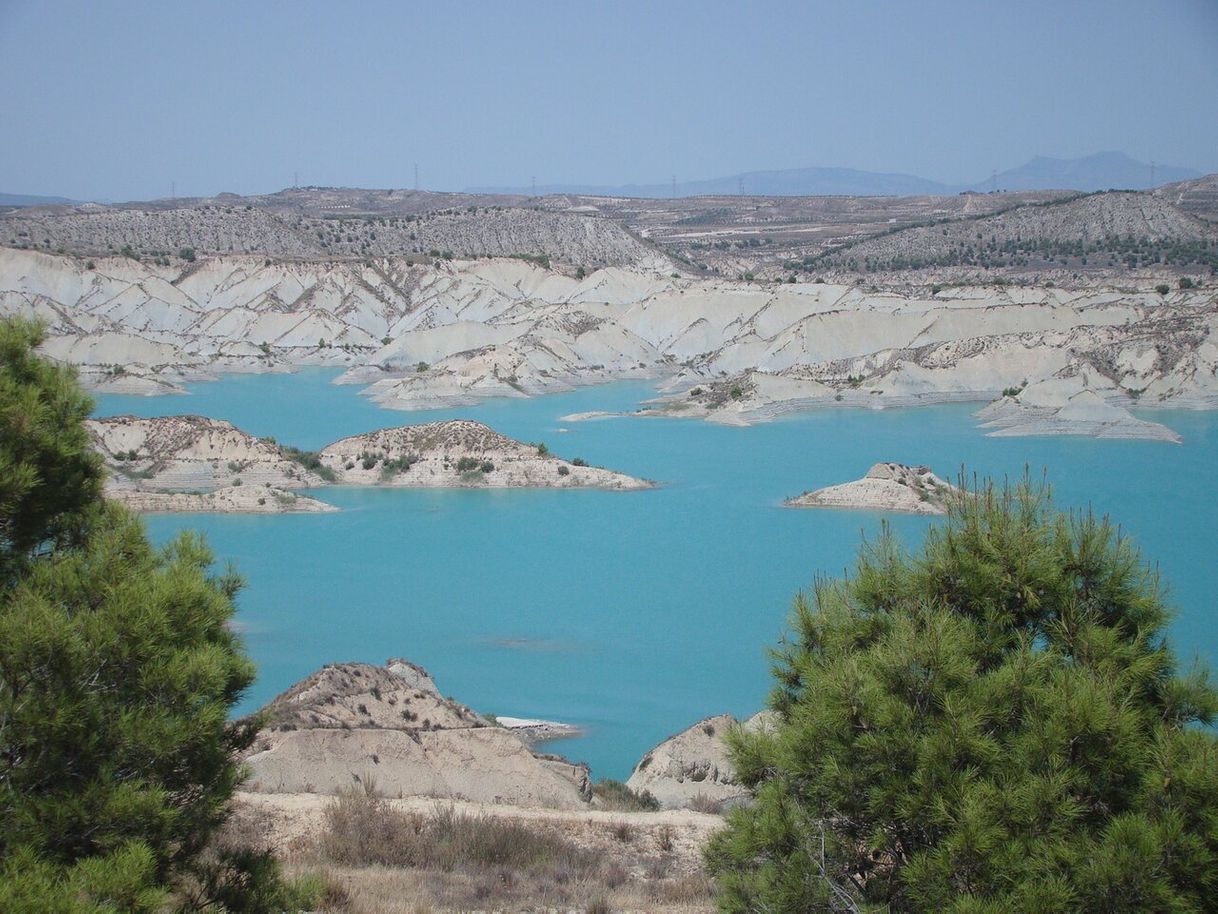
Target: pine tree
(996, 724)
(117, 671)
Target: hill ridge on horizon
(1104, 170)
(1109, 170)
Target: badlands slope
(422, 336)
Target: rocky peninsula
(886, 487)
(389, 728)
(194, 463)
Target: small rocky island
(886, 487)
(194, 463)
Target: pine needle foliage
(994, 724)
(117, 672)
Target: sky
(122, 100)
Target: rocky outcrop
(693, 766)
(388, 730)
(460, 453)
(886, 487)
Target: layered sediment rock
(420, 335)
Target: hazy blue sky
(115, 99)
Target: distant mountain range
(1102, 171)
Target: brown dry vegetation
(378, 855)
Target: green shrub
(398, 465)
(615, 795)
(310, 461)
(468, 464)
(579, 462)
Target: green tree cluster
(996, 724)
(117, 673)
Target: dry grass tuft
(363, 830)
(378, 857)
(702, 803)
(616, 796)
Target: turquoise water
(632, 614)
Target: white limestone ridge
(420, 335)
(886, 487)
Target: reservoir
(633, 614)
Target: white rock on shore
(886, 487)
(229, 500)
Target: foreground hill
(390, 728)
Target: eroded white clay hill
(193, 463)
(387, 729)
(693, 768)
(422, 336)
(886, 487)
